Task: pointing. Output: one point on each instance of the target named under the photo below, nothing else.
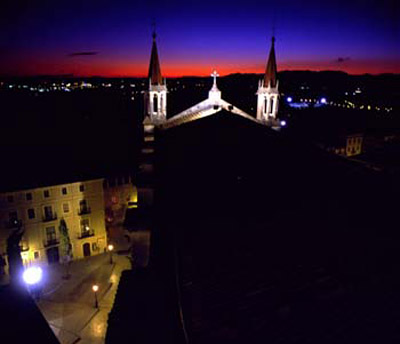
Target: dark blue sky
(196, 36)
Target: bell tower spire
(268, 94)
(156, 96)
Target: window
(66, 207)
(155, 103)
(48, 212)
(85, 225)
(46, 193)
(51, 233)
(28, 196)
(94, 246)
(64, 191)
(31, 213)
(10, 198)
(81, 188)
(36, 254)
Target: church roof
(270, 77)
(213, 104)
(154, 68)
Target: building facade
(38, 213)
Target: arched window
(271, 107)
(161, 103)
(155, 103)
(265, 105)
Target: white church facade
(156, 98)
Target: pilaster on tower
(156, 96)
(268, 94)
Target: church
(156, 98)
(257, 236)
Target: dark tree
(15, 265)
(65, 247)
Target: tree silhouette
(65, 247)
(15, 265)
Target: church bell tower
(268, 94)
(156, 96)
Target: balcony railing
(13, 223)
(51, 242)
(84, 210)
(86, 234)
(50, 217)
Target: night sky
(113, 38)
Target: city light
(283, 123)
(95, 288)
(323, 100)
(110, 247)
(289, 99)
(32, 275)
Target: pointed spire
(270, 78)
(154, 68)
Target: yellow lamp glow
(95, 287)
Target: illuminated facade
(268, 94)
(39, 211)
(156, 100)
(119, 195)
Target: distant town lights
(32, 275)
(323, 100)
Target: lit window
(85, 225)
(51, 233)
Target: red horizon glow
(175, 70)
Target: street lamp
(110, 249)
(95, 288)
(32, 277)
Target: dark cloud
(342, 59)
(83, 53)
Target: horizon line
(186, 76)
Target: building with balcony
(38, 212)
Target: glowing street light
(110, 249)
(95, 288)
(32, 275)
(283, 123)
(323, 100)
(289, 99)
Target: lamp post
(110, 249)
(95, 288)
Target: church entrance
(86, 250)
(53, 255)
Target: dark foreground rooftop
(261, 238)
(21, 320)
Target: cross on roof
(215, 74)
